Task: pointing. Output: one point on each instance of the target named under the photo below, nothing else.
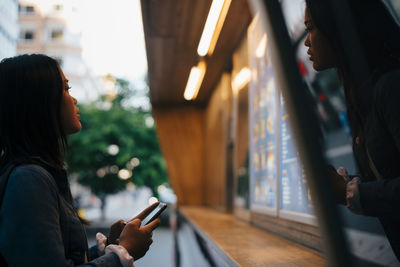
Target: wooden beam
(180, 132)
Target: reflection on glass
(327, 94)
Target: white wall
(8, 28)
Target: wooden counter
(240, 244)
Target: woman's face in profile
(319, 48)
(69, 112)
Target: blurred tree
(117, 145)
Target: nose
(75, 101)
(307, 41)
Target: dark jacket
(39, 225)
(380, 189)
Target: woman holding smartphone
(375, 127)
(39, 225)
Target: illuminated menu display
(295, 194)
(263, 144)
(263, 124)
(277, 182)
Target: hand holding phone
(117, 227)
(135, 239)
(155, 213)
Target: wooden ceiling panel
(165, 12)
(172, 32)
(191, 24)
(162, 54)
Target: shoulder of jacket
(32, 171)
(389, 79)
(388, 86)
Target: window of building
(26, 9)
(58, 7)
(27, 35)
(30, 9)
(56, 34)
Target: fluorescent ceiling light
(241, 79)
(213, 26)
(194, 81)
(260, 51)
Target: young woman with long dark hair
(39, 225)
(373, 108)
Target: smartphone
(155, 213)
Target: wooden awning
(172, 31)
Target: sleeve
(383, 197)
(380, 197)
(30, 233)
(101, 249)
(98, 249)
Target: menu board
(295, 194)
(263, 126)
(277, 182)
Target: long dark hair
(31, 91)
(377, 29)
(379, 36)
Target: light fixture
(215, 21)
(260, 51)
(212, 28)
(241, 79)
(194, 81)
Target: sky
(112, 37)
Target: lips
(310, 55)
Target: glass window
(56, 34)
(58, 7)
(394, 5)
(277, 183)
(30, 9)
(27, 35)
(26, 9)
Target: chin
(74, 129)
(321, 67)
(317, 67)
(78, 128)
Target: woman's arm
(30, 233)
(380, 197)
(383, 197)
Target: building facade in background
(8, 28)
(52, 27)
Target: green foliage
(124, 127)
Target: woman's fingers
(135, 222)
(115, 231)
(343, 172)
(152, 225)
(146, 211)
